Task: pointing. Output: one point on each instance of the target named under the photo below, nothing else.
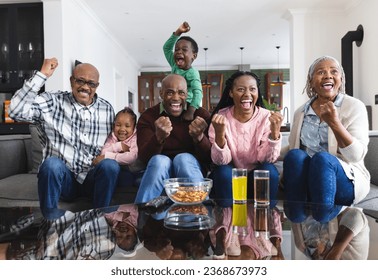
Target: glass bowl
(188, 217)
(187, 191)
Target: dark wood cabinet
(212, 91)
(21, 43)
(274, 89)
(149, 86)
(148, 91)
(21, 49)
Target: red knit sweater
(179, 141)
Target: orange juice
(239, 189)
(239, 215)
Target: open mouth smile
(176, 106)
(328, 86)
(247, 103)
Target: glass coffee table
(172, 231)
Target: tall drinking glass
(261, 187)
(239, 185)
(261, 221)
(239, 219)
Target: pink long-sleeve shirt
(260, 246)
(247, 144)
(113, 149)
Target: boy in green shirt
(180, 59)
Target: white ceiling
(223, 26)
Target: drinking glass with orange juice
(239, 185)
(239, 218)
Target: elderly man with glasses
(72, 127)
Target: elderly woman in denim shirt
(327, 146)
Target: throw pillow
(36, 148)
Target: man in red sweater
(168, 144)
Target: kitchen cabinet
(148, 91)
(21, 43)
(212, 91)
(274, 88)
(21, 51)
(149, 86)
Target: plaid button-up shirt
(68, 130)
(83, 235)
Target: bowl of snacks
(187, 191)
(188, 217)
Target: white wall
(313, 33)
(366, 56)
(319, 32)
(72, 33)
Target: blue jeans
(56, 182)
(222, 184)
(161, 167)
(318, 182)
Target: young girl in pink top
(121, 143)
(243, 135)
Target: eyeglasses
(82, 82)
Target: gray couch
(370, 202)
(371, 162)
(21, 154)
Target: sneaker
(233, 248)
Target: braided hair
(227, 101)
(127, 110)
(308, 89)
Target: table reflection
(233, 245)
(136, 232)
(345, 237)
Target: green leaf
(270, 107)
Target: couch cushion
(13, 156)
(371, 159)
(371, 200)
(19, 190)
(36, 149)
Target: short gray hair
(308, 88)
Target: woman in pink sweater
(243, 135)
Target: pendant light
(278, 81)
(243, 67)
(205, 83)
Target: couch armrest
(14, 159)
(371, 159)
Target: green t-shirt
(191, 75)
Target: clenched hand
(163, 128)
(197, 128)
